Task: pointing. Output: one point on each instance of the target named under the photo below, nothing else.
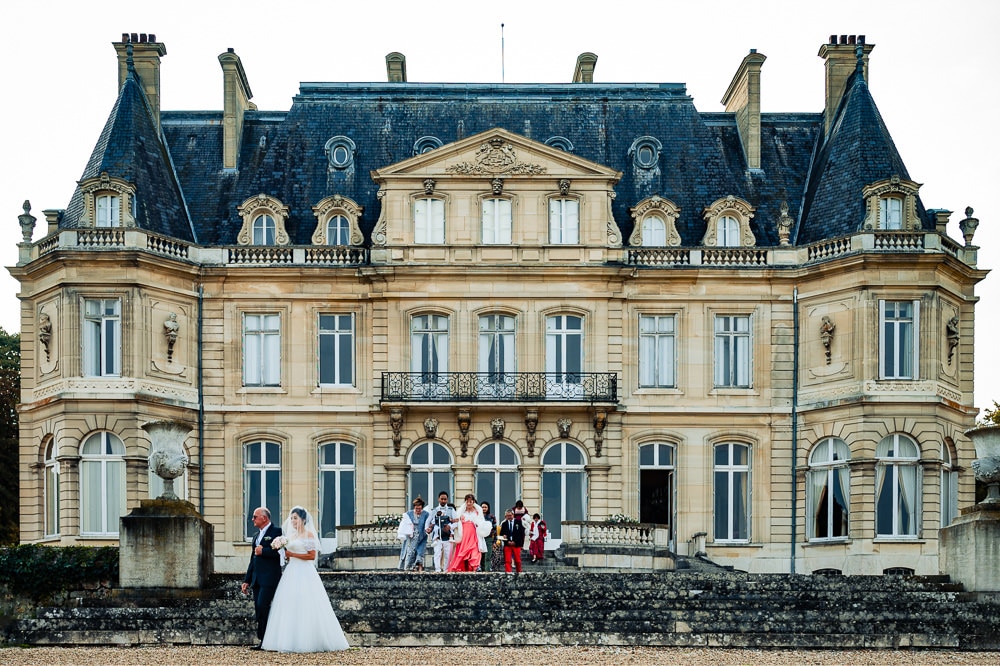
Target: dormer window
(338, 230)
(263, 221)
(891, 205)
(654, 231)
(107, 211)
(655, 223)
(645, 152)
(340, 151)
(108, 202)
(496, 221)
(564, 221)
(428, 221)
(728, 223)
(337, 222)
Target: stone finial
(27, 222)
(170, 329)
(968, 226)
(951, 331)
(45, 332)
(826, 329)
(784, 224)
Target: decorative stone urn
(986, 439)
(166, 457)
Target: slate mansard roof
(183, 191)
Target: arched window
(51, 491)
(102, 484)
(498, 480)
(263, 230)
(261, 482)
(656, 484)
(426, 144)
(564, 486)
(430, 471)
(654, 231)
(336, 487)
(727, 231)
(732, 492)
(896, 487)
(828, 496)
(155, 484)
(949, 487)
(338, 231)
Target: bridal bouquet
(279, 542)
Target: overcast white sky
(932, 73)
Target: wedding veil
(308, 525)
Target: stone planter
(986, 439)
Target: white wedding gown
(301, 618)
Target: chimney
(395, 67)
(236, 97)
(841, 62)
(146, 54)
(584, 72)
(743, 98)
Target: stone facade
(388, 313)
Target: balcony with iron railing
(585, 387)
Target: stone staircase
(558, 607)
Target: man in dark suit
(264, 570)
(512, 534)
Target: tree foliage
(10, 395)
(991, 415)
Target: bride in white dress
(302, 619)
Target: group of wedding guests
(469, 537)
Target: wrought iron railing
(500, 387)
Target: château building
(744, 326)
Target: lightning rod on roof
(502, 73)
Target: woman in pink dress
(466, 555)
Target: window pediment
(729, 207)
(103, 186)
(257, 206)
(878, 197)
(331, 207)
(650, 209)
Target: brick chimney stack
(840, 64)
(743, 98)
(146, 54)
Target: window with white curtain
(263, 230)
(430, 473)
(261, 482)
(732, 351)
(102, 337)
(338, 231)
(497, 358)
(108, 211)
(429, 348)
(428, 221)
(564, 486)
(498, 480)
(496, 222)
(732, 492)
(949, 487)
(727, 232)
(564, 355)
(261, 350)
(336, 350)
(899, 342)
(50, 493)
(654, 231)
(564, 221)
(102, 484)
(337, 476)
(896, 487)
(828, 495)
(890, 213)
(657, 345)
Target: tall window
(564, 486)
(656, 484)
(727, 232)
(430, 472)
(261, 482)
(263, 230)
(732, 492)
(732, 351)
(898, 344)
(657, 344)
(428, 221)
(891, 213)
(108, 210)
(338, 231)
(497, 479)
(336, 350)
(564, 221)
(102, 484)
(829, 491)
(564, 350)
(496, 222)
(496, 354)
(949, 488)
(896, 490)
(336, 487)
(102, 337)
(429, 347)
(51, 491)
(261, 350)
(654, 231)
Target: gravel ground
(499, 656)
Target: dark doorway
(656, 497)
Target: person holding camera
(439, 529)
